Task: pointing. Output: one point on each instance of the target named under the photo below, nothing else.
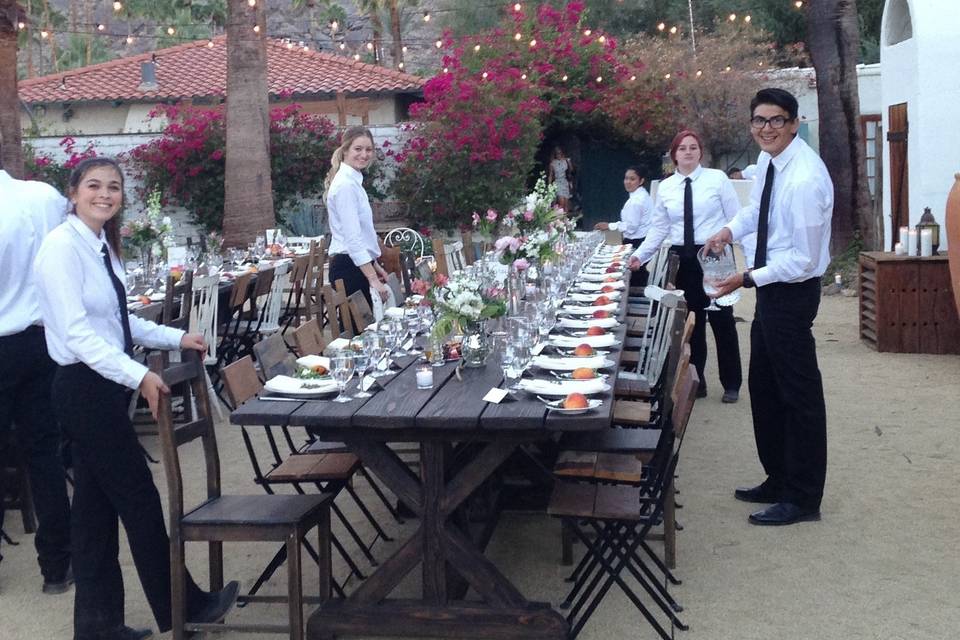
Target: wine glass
(341, 366)
(361, 362)
(515, 359)
(379, 350)
(718, 266)
(260, 246)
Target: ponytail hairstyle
(111, 228)
(351, 134)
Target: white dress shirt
(714, 203)
(801, 207)
(351, 218)
(635, 215)
(30, 211)
(80, 310)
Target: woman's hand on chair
(193, 341)
(381, 272)
(151, 388)
(601, 226)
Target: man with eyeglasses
(790, 210)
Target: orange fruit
(600, 313)
(595, 331)
(583, 350)
(601, 300)
(575, 401)
(583, 373)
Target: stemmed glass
(362, 361)
(718, 266)
(514, 359)
(379, 350)
(260, 246)
(341, 366)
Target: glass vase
(476, 345)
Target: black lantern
(927, 221)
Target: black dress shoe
(216, 604)
(760, 494)
(54, 587)
(783, 513)
(730, 396)
(702, 390)
(120, 633)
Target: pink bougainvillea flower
(440, 280)
(521, 264)
(420, 287)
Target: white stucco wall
(923, 73)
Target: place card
(537, 349)
(408, 345)
(368, 383)
(498, 395)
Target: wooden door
(899, 171)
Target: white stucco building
(919, 54)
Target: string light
(403, 48)
(101, 27)
(171, 31)
(587, 32)
(118, 6)
(798, 4)
(476, 47)
(699, 72)
(369, 46)
(356, 56)
(438, 44)
(289, 45)
(673, 30)
(446, 70)
(21, 26)
(599, 79)
(564, 78)
(728, 68)
(343, 46)
(523, 76)
(426, 16)
(517, 7)
(306, 47)
(256, 28)
(517, 36)
(484, 75)
(632, 78)
(601, 39)
(129, 39)
(334, 25)
(733, 17)
(400, 66)
(661, 26)
(747, 19)
(44, 34)
(533, 43)
(252, 3)
(666, 77)
(210, 44)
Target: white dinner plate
(557, 406)
(298, 388)
(542, 387)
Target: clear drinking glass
(515, 361)
(341, 366)
(378, 352)
(362, 362)
(717, 267)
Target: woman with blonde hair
(354, 249)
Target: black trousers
(26, 373)
(690, 280)
(639, 277)
(786, 392)
(111, 480)
(342, 268)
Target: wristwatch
(748, 282)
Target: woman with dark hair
(634, 218)
(354, 248)
(90, 335)
(693, 204)
(559, 172)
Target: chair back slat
(408, 240)
(241, 380)
(360, 311)
(274, 358)
(682, 364)
(308, 338)
(184, 290)
(390, 258)
(185, 433)
(343, 307)
(203, 317)
(178, 372)
(273, 305)
(687, 397)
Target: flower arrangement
(144, 233)
(460, 301)
(214, 243)
(486, 225)
(533, 229)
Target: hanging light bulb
(699, 72)
(118, 6)
(101, 27)
(728, 68)
(798, 4)
(306, 47)
(587, 32)
(252, 3)
(438, 44)
(356, 56)
(484, 75)
(747, 19)
(661, 26)
(400, 66)
(289, 45)
(632, 78)
(523, 76)
(601, 39)
(760, 64)
(666, 77)
(599, 79)
(256, 28)
(369, 46)
(403, 48)
(517, 36)
(476, 47)
(334, 25)
(673, 30)
(210, 45)
(446, 70)
(343, 46)
(171, 31)
(426, 16)
(44, 33)
(21, 26)
(129, 39)
(733, 17)
(517, 7)
(533, 43)
(564, 78)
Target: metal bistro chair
(412, 250)
(235, 518)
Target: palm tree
(12, 154)
(248, 201)
(833, 38)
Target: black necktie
(760, 257)
(121, 301)
(689, 246)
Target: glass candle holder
(424, 377)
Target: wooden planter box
(907, 305)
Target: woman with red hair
(691, 205)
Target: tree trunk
(11, 150)
(248, 198)
(395, 33)
(834, 42)
(377, 27)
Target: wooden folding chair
(239, 518)
(360, 312)
(308, 338)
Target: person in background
(560, 172)
(354, 250)
(90, 335)
(692, 205)
(634, 218)
(790, 210)
(30, 210)
(735, 173)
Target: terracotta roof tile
(197, 70)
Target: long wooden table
(449, 418)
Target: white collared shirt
(80, 309)
(801, 207)
(635, 215)
(29, 211)
(351, 218)
(714, 203)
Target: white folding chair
(273, 305)
(203, 320)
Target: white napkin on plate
(588, 310)
(563, 387)
(556, 363)
(597, 277)
(606, 340)
(586, 323)
(590, 297)
(295, 386)
(597, 286)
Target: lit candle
(912, 246)
(926, 242)
(905, 239)
(838, 278)
(898, 249)
(424, 377)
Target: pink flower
(476, 218)
(521, 264)
(491, 215)
(125, 231)
(420, 287)
(440, 280)
(528, 215)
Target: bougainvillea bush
(45, 168)
(473, 142)
(186, 163)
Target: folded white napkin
(563, 387)
(586, 323)
(295, 386)
(598, 277)
(380, 306)
(309, 362)
(588, 310)
(597, 286)
(606, 340)
(590, 297)
(557, 363)
(337, 345)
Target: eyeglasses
(776, 122)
